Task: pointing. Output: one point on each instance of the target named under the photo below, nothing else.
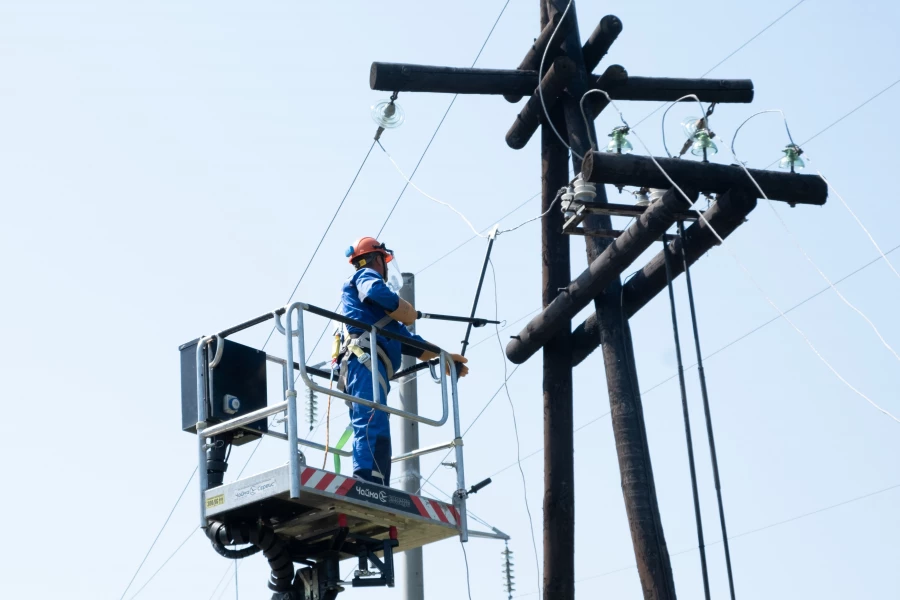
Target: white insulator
(566, 203)
(584, 191)
(656, 194)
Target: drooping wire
(324, 233)
(466, 560)
(853, 214)
(441, 122)
(548, 120)
(159, 533)
(659, 384)
(537, 218)
(753, 280)
(474, 237)
(432, 198)
(512, 409)
(797, 241)
(703, 112)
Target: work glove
(461, 369)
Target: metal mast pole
(410, 561)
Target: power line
(161, 529)
(325, 233)
(224, 575)
(738, 49)
(747, 43)
(710, 355)
(745, 533)
(171, 556)
(851, 112)
(441, 122)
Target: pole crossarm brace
(652, 224)
(532, 114)
(640, 171)
(596, 47)
(725, 216)
(532, 60)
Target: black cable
(706, 412)
(325, 233)
(466, 559)
(161, 529)
(687, 423)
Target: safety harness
(360, 345)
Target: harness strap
(358, 346)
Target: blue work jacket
(366, 297)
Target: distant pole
(410, 561)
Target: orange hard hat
(368, 245)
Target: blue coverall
(366, 297)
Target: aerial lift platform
(295, 513)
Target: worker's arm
(405, 313)
(371, 288)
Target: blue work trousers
(371, 428)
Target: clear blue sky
(167, 168)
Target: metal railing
(289, 405)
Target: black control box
(236, 386)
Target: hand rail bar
(290, 403)
(422, 451)
(310, 444)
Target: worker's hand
(461, 369)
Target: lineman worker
(366, 297)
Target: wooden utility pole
(566, 77)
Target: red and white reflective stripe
(449, 513)
(345, 487)
(315, 478)
(340, 485)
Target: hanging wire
(704, 117)
(794, 237)
(441, 122)
(512, 409)
(750, 276)
(432, 198)
(549, 121)
(698, 520)
(853, 214)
